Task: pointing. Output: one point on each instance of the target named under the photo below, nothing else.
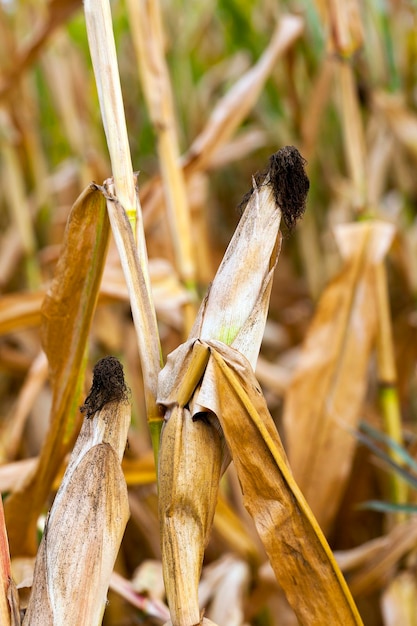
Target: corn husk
(85, 526)
(192, 453)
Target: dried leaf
(235, 106)
(332, 370)
(302, 560)
(303, 563)
(67, 312)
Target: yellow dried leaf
(302, 561)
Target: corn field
(208, 325)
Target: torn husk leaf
(333, 369)
(86, 523)
(192, 453)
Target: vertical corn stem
(147, 29)
(103, 56)
(388, 393)
(123, 198)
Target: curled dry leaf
(67, 313)
(86, 523)
(332, 370)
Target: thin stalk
(354, 141)
(147, 31)
(104, 59)
(122, 199)
(15, 193)
(388, 392)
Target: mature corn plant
(300, 345)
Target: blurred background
(336, 79)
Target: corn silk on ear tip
(286, 175)
(108, 385)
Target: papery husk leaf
(297, 549)
(67, 314)
(85, 527)
(236, 307)
(333, 370)
(189, 472)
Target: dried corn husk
(86, 523)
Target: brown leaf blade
(297, 549)
(67, 314)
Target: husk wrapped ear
(85, 526)
(193, 451)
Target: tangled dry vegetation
(209, 93)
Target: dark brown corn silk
(289, 182)
(108, 385)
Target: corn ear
(86, 523)
(193, 452)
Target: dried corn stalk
(85, 526)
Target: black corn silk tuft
(108, 385)
(289, 184)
